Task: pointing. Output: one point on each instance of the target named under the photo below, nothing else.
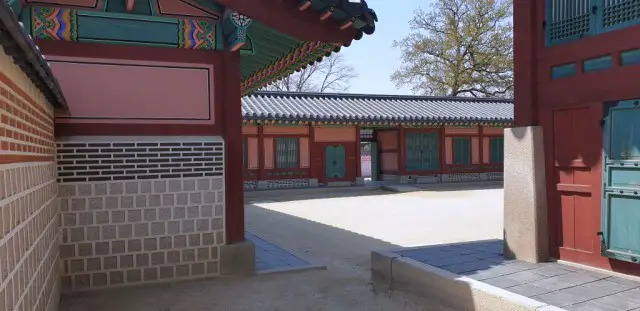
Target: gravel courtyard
(337, 232)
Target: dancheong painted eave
(18, 44)
(374, 110)
(337, 22)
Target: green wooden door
(422, 151)
(334, 162)
(374, 161)
(621, 180)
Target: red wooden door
(574, 176)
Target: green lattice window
(496, 150)
(461, 150)
(620, 13)
(287, 153)
(568, 20)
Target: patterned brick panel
(140, 230)
(29, 231)
(101, 159)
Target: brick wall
(29, 234)
(140, 209)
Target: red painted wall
(68, 125)
(569, 110)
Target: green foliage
(459, 48)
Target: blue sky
(374, 57)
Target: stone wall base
(442, 178)
(238, 258)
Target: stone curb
(390, 271)
(292, 269)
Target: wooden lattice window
(496, 149)
(461, 150)
(287, 153)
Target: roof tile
(291, 106)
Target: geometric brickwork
(29, 233)
(103, 158)
(125, 232)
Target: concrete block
(525, 206)
(381, 269)
(449, 290)
(313, 182)
(238, 259)
(432, 179)
(359, 181)
(339, 184)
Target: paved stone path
(560, 285)
(271, 258)
(338, 232)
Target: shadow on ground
(345, 285)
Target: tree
(459, 48)
(332, 74)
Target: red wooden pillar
(526, 38)
(358, 153)
(232, 128)
(443, 148)
(261, 174)
(402, 161)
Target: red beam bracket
(304, 4)
(327, 13)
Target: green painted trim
(108, 41)
(596, 64)
(152, 8)
(127, 16)
(16, 7)
(26, 19)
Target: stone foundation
(140, 210)
(525, 207)
(442, 178)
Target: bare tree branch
(332, 74)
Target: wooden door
(335, 158)
(374, 161)
(621, 175)
(574, 196)
(422, 151)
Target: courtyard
(335, 233)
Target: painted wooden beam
(286, 17)
(66, 24)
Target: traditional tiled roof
(290, 107)
(25, 53)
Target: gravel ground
(339, 233)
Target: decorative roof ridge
(30, 59)
(377, 96)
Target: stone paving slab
(271, 258)
(552, 283)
